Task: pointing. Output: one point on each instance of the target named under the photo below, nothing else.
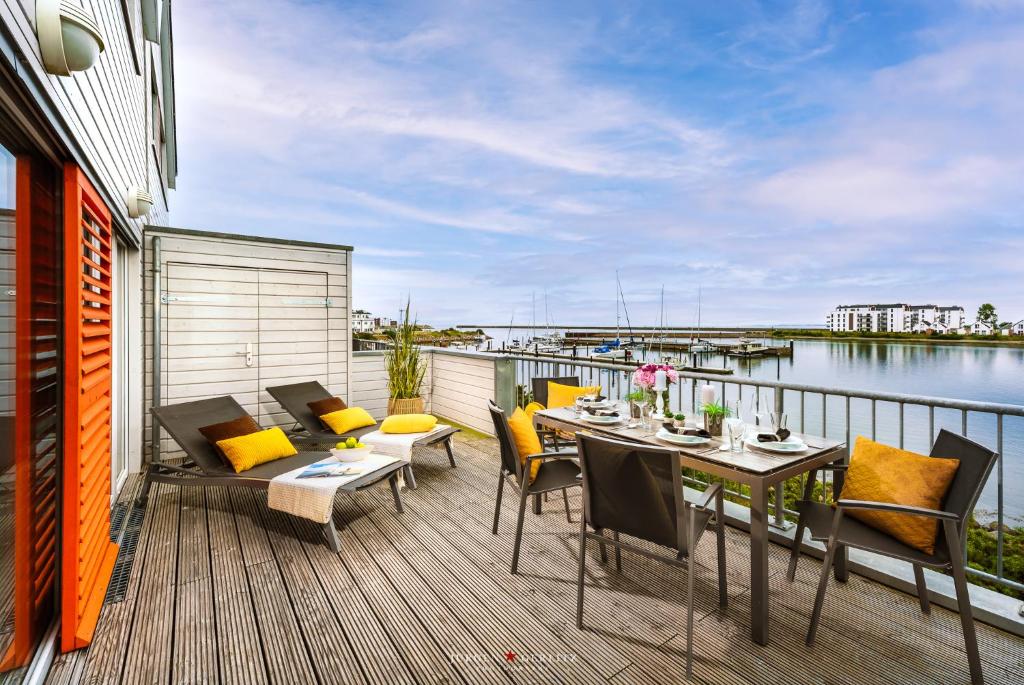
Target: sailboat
(701, 345)
(613, 349)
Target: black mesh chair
(551, 439)
(637, 490)
(827, 523)
(540, 386)
(558, 471)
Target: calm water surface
(986, 374)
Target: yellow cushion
(345, 420)
(254, 449)
(879, 473)
(408, 423)
(526, 439)
(532, 408)
(565, 395)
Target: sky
(779, 158)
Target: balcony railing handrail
(897, 398)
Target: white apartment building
(362, 321)
(894, 318)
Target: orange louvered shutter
(88, 554)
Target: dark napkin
(699, 432)
(670, 427)
(774, 437)
(600, 412)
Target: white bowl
(352, 453)
(680, 439)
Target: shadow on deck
(225, 590)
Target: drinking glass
(778, 422)
(735, 429)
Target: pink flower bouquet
(643, 377)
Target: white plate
(603, 420)
(681, 439)
(351, 454)
(594, 404)
(787, 446)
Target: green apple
(341, 446)
(351, 442)
(360, 445)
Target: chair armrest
(833, 467)
(713, 491)
(895, 508)
(551, 455)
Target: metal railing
(907, 420)
(365, 345)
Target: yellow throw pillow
(532, 408)
(408, 423)
(879, 473)
(345, 420)
(526, 439)
(254, 449)
(565, 395)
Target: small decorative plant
(635, 399)
(679, 420)
(714, 415)
(405, 368)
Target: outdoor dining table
(758, 469)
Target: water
(966, 372)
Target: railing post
(780, 521)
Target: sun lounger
(204, 468)
(295, 398)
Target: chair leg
(497, 501)
(963, 601)
(691, 569)
(536, 505)
(618, 552)
(565, 498)
(798, 538)
(448, 449)
(922, 589)
(601, 546)
(394, 493)
(826, 570)
(519, 529)
(410, 479)
(794, 554)
(579, 579)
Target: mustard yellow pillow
(879, 473)
(526, 439)
(408, 423)
(254, 449)
(532, 408)
(565, 395)
(345, 420)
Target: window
(158, 136)
(132, 21)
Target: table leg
(839, 567)
(759, 563)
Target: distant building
(894, 318)
(1018, 328)
(980, 328)
(381, 323)
(362, 321)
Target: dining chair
(839, 530)
(637, 490)
(558, 471)
(540, 386)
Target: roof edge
(149, 228)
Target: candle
(660, 380)
(707, 394)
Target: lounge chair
(204, 468)
(294, 399)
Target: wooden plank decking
(225, 591)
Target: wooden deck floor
(225, 590)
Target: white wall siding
(106, 109)
(288, 303)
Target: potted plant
(405, 368)
(714, 415)
(679, 420)
(636, 400)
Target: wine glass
(735, 429)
